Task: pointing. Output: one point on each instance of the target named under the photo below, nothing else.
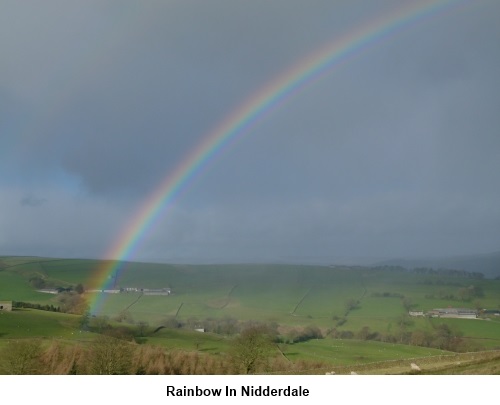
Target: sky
(395, 152)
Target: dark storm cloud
(134, 95)
(32, 201)
(395, 152)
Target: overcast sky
(394, 153)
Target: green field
(290, 296)
(13, 286)
(29, 323)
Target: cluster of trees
(222, 326)
(449, 272)
(230, 327)
(396, 269)
(350, 305)
(442, 337)
(36, 281)
(79, 289)
(387, 294)
(46, 307)
(252, 352)
(104, 325)
(302, 335)
(39, 282)
(72, 303)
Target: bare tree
(109, 356)
(351, 304)
(251, 348)
(22, 357)
(99, 323)
(142, 328)
(72, 302)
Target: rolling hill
(366, 308)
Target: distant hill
(488, 263)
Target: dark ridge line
(229, 296)
(138, 298)
(34, 261)
(301, 300)
(158, 328)
(178, 310)
(360, 299)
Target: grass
(13, 286)
(486, 333)
(290, 295)
(190, 341)
(354, 352)
(343, 356)
(480, 365)
(30, 323)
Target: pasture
(290, 296)
(342, 352)
(30, 323)
(14, 286)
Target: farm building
(48, 291)
(147, 291)
(453, 313)
(5, 305)
(416, 313)
(104, 291)
(153, 291)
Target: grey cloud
(32, 201)
(394, 152)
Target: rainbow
(244, 118)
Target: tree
(171, 323)
(419, 338)
(22, 357)
(85, 320)
(79, 288)
(364, 333)
(408, 303)
(350, 305)
(37, 282)
(142, 328)
(72, 303)
(447, 338)
(251, 348)
(99, 323)
(109, 356)
(124, 316)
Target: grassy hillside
(29, 323)
(14, 286)
(352, 306)
(290, 294)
